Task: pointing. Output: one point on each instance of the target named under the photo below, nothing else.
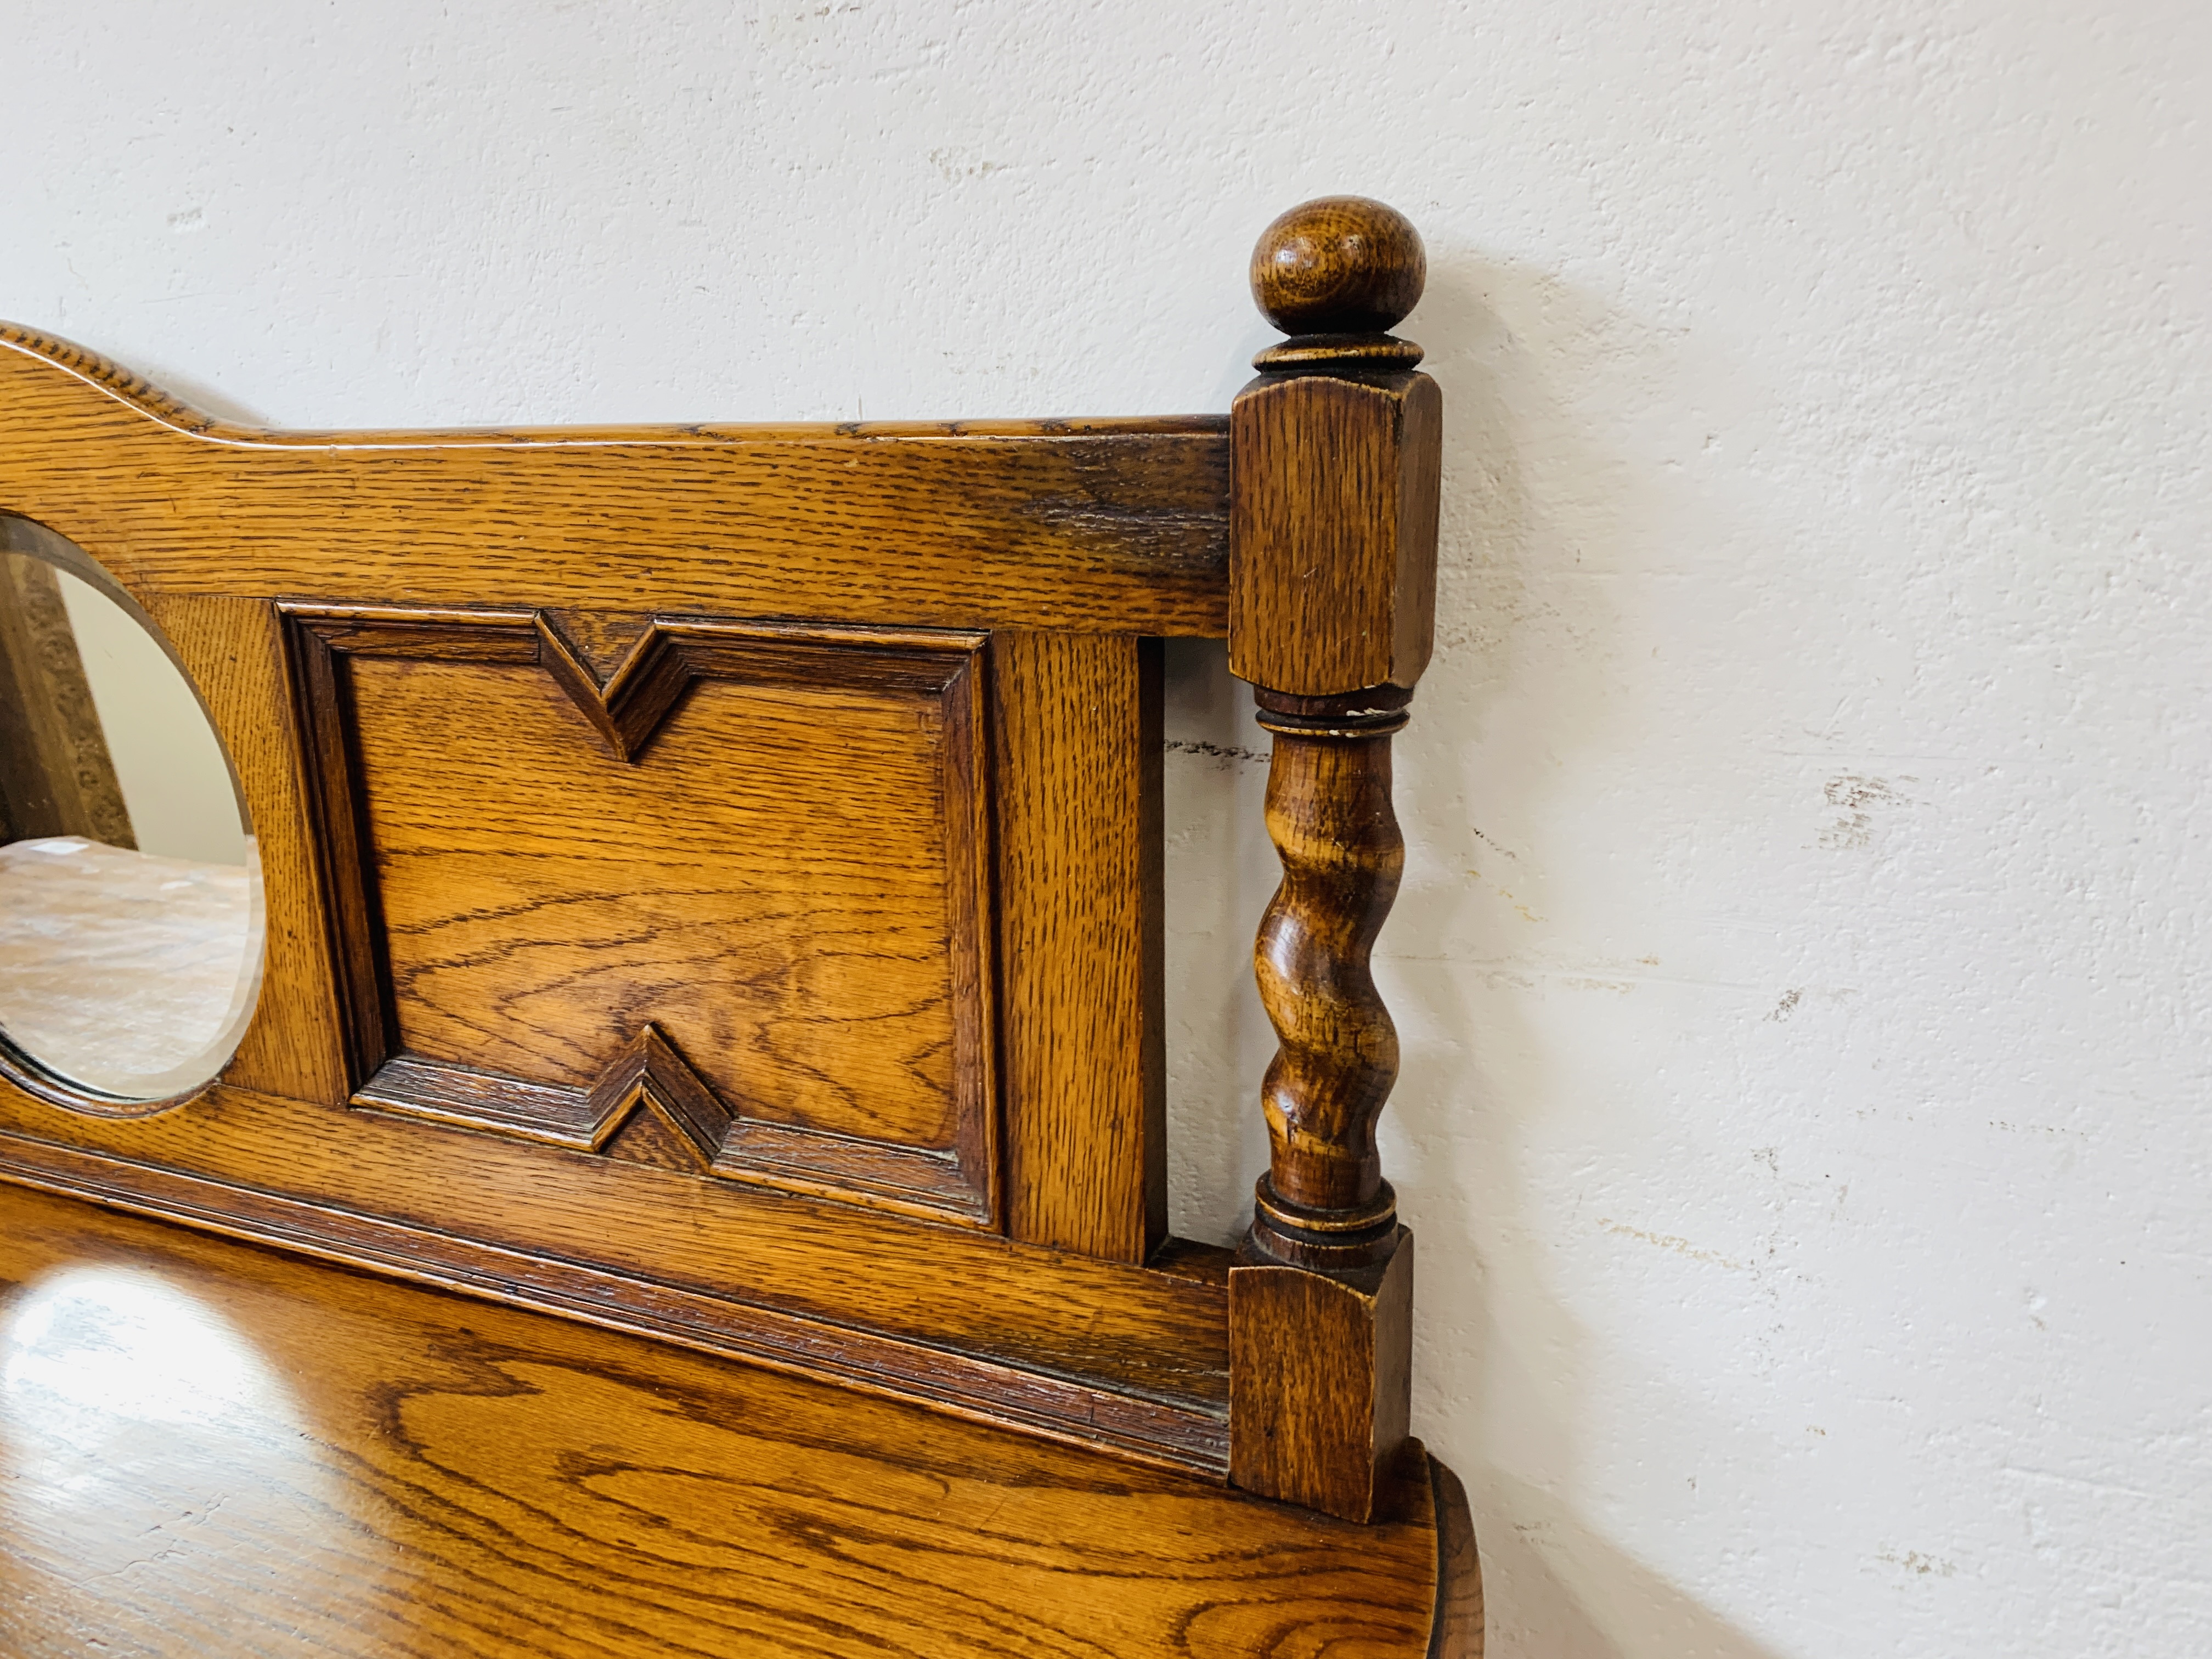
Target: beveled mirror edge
(178, 1085)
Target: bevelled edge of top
(104, 373)
(142, 396)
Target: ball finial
(1338, 265)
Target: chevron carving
(646, 686)
(650, 1076)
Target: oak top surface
(208, 1447)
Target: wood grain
(293, 1459)
(783, 919)
(1457, 1631)
(1115, 1356)
(1339, 265)
(1115, 525)
(231, 648)
(1320, 1383)
(1134, 1362)
(1329, 815)
(1333, 547)
(788, 879)
(1078, 769)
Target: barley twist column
(1334, 457)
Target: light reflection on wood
(211, 1449)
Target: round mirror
(130, 888)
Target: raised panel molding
(656, 1088)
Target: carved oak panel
(722, 906)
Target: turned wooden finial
(1335, 453)
(1339, 273)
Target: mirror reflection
(129, 887)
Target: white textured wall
(1802, 960)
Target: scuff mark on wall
(1668, 1242)
(1856, 800)
(1220, 751)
